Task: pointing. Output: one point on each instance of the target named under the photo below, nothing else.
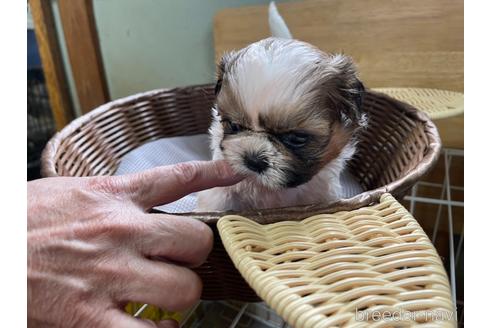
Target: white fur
(278, 27)
(272, 78)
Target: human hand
(92, 246)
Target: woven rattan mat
(348, 269)
(436, 103)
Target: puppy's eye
(231, 127)
(294, 139)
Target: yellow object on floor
(152, 312)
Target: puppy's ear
(220, 75)
(221, 69)
(345, 91)
(359, 92)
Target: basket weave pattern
(95, 143)
(399, 145)
(318, 271)
(436, 103)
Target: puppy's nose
(255, 162)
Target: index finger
(166, 184)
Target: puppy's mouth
(256, 163)
(256, 168)
(262, 163)
(263, 171)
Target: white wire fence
(446, 204)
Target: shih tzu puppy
(286, 116)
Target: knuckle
(191, 290)
(106, 184)
(185, 172)
(83, 197)
(202, 238)
(88, 314)
(121, 229)
(186, 240)
(111, 274)
(112, 228)
(108, 271)
(206, 241)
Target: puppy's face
(284, 110)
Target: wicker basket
(399, 146)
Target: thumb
(166, 184)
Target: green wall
(149, 44)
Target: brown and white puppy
(286, 115)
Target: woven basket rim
(48, 167)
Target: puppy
(286, 117)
